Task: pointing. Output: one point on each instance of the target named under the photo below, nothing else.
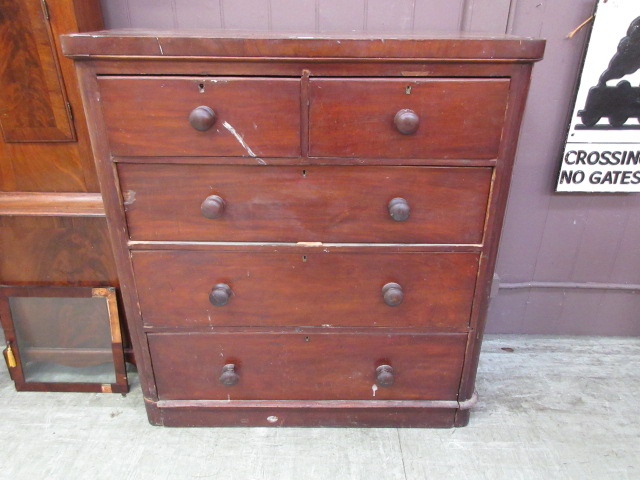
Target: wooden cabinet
(306, 228)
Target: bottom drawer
(307, 366)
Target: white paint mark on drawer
(233, 131)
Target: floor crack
(404, 468)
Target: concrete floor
(553, 408)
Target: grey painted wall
(547, 237)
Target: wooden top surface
(239, 44)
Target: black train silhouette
(621, 102)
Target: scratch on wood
(159, 46)
(239, 138)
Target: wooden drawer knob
(229, 377)
(384, 375)
(406, 121)
(202, 118)
(213, 207)
(220, 295)
(399, 209)
(392, 294)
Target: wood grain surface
(355, 118)
(55, 251)
(251, 44)
(334, 289)
(310, 204)
(294, 366)
(33, 100)
(149, 116)
(44, 164)
(304, 415)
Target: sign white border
(603, 157)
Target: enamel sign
(602, 151)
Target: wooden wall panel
(385, 16)
(55, 167)
(208, 14)
(152, 14)
(55, 251)
(540, 140)
(560, 237)
(245, 14)
(341, 16)
(486, 16)
(117, 13)
(438, 16)
(33, 104)
(294, 15)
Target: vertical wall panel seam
(601, 305)
(365, 15)
(317, 15)
(623, 233)
(222, 23)
(544, 4)
(128, 9)
(527, 301)
(174, 12)
(513, 6)
(413, 16)
(269, 16)
(574, 260)
(466, 14)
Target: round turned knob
(202, 118)
(406, 121)
(213, 207)
(399, 209)
(229, 377)
(220, 295)
(384, 375)
(392, 294)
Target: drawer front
(305, 366)
(456, 118)
(306, 204)
(306, 289)
(150, 116)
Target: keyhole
(304, 258)
(307, 339)
(407, 90)
(201, 87)
(304, 173)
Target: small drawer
(405, 118)
(307, 366)
(164, 116)
(171, 202)
(312, 287)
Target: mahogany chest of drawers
(305, 228)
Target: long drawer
(305, 366)
(434, 290)
(168, 202)
(152, 116)
(406, 118)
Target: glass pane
(64, 339)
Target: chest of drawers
(305, 228)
